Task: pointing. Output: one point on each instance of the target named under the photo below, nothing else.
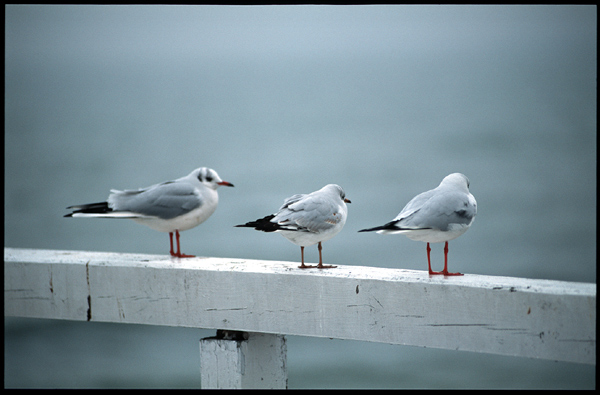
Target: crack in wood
(89, 298)
(458, 325)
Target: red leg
(320, 265)
(446, 263)
(171, 240)
(303, 266)
(178, 254)
(429, 261)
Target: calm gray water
(382, 100)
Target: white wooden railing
(260, 302)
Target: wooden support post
(241, 360)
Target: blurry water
(384, 101)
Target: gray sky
(276, 31)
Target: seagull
(438, 215)
(170, 206)
(307, 219)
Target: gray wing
(291, 200)
(415, 204)
(441, 210)
(167, 200)
(308, 213)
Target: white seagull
(307, 219)
(171, 206)
(439, 215)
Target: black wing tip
(91, 208)
(263, 224)
(374, 229)
(389, 226)
(367, 230)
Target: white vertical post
(243, 361)
(220, 364)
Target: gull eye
(209, 178)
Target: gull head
(209, 178)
